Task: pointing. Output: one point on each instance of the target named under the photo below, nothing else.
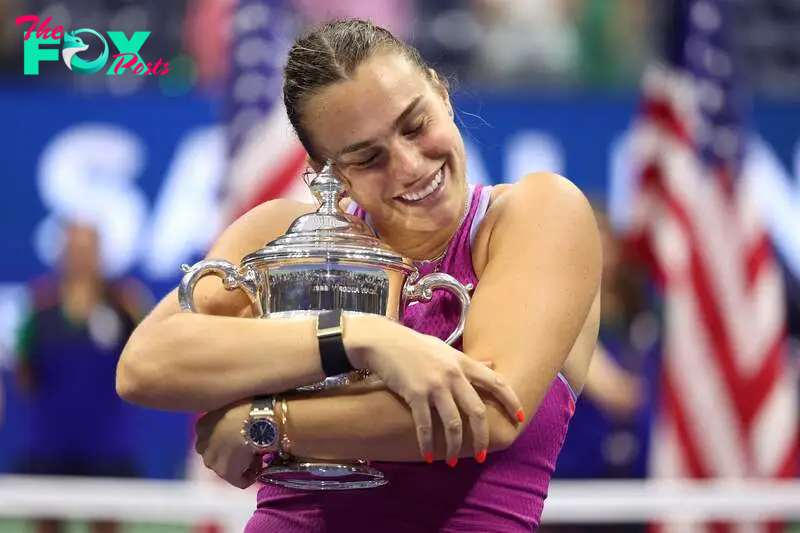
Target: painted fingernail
(571, 407)
(452, 462)
(520, 416)
(429, 457)
(481, 457)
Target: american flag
(727, 399)
(266, 159)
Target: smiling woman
(392, 154)
(359, 97)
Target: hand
(220, 444)
(424, 370)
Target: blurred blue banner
(148, 169)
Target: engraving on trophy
(326, 260)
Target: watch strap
(263, 406)
(332, 352)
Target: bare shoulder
(536, 204)
(248, 233)
(537, 192)
(540, 235)
(257, 227)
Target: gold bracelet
(285, 445)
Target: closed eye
(417, 129)
(367, 162)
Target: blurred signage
(34, 49)
(153, 187)
(148, 171)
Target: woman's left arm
(529, 311)
(538, 300)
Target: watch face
(262, 432)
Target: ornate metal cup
(326, 260)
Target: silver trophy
(326, 260)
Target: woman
(364, 99)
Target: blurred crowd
(500, 43)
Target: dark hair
(329, 54)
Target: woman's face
(390, 131)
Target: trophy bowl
(326, 260)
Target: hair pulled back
(329, 54)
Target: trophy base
(307, 474)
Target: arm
(549, 294)
(185, 361)
(134, 298)
(616, 390)
(544, 272)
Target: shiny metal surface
(336, 286)
(249, 281)
(304, 474)
(326, 260)
(423, 289)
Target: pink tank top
(506, 493)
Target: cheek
(367, 188)
(439, 141)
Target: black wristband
(331, 346)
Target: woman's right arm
(183, 361)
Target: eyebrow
(400, 118)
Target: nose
(407, 161)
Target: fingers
(237, 465)
(251, 474)
(451, 422)
(421, 411)
(240, 470)
(238, 481)
(492, 382)
(472, 405)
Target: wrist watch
(330, 331)
(261, 429)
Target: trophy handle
(422, 290)
(231, 277)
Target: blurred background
(116, 180)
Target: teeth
(427, 191)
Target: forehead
(365, 106)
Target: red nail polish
(481, 457)
(520, 416)
(429, 457)
(452, 462)
(571, 408)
